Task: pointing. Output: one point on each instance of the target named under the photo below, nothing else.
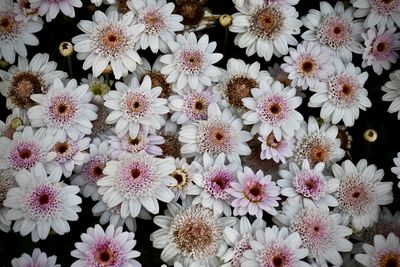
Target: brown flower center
(135, 173)
(43, 199)
(267, 22)
(61, 147)
(278, 261)
(181, 178)
(196, 234)
(191, 11)
(25, 153)
(390, 260)
(23, 85)
(275, 108)
(105, 257)
(238, 88)
(157, 79)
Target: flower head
(383, 13)
(52, 8)
(38, 259)
(7, 181)
(392, 92)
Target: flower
(391, 88)
(275, 150)
(275, 247)
(396, 169)
(308, 64)
(135, 107)
(220, 133)
(385, 252)
(378, 12)
(380, 48)
(361, 192)
(190, 235)
(321, 232)
(191, 62)
(98, 86)
(41, 202)
(265, 28)
(51, 8)
(38, 259)
(273, 110)
(137, 180)
(16, 121)
(15, 34)
(309, 184)
(111, 247)
(159, 23)
(24, 11)
(184, 176)
(342, 94)
(318, 144)
(254, 193)
(7, 181)
(28, 78)
(64, 109)
(108, 39)
(334, 28)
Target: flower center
(99, 89)
(390, 260)
(23, 85)
(92, 170)
(308, 67)
(191, 61)
(278, 261)
(98, 170)
(343, 90)
(157, 79)
(216, 181)
(62, 110)
(271, 141)
(238, 88)
(385, 7)
(310, 184)
(135, 173)
(273, 110)
(191, 11)
(44, 199)
(181, 177)
(171, 146)
(153, 21)
(335, 32)
(135, 105)
(315, 149)
(43, 202)
(277, 255)
(254, 191)
(104, 257)
(196, 105)
(61, 147)
(109, 40)
(267, 22)
(25, 153)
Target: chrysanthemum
(7, 181)
(41, 202)
(238, 239)
(28, 78)
(383, 13)
(308, 64)
(38, 259)
(361, 192)
(64, 109)
(184, 176)
(396, 169)
(87, 175)
(51, 8)
(321, 232)
(215, 178)
(275, 247)
(384, 252)
(98, 86)
(380, 48)
(135, 107)
(342, 95)
(265, 28)
(14, 33)
(220, 133)
(159, 23)
(137, 180)
(274, 149)
(392, 90)
(191, 62)
(111, 247)
(27, 149)
(273, 110)
(254, 193)
(318, 143)
(108, 39)
(335, 28)
(190, 235)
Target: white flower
(7, 181)
(108, 39)
(159, 23)
(265, 28)
(384, 14)
(396, 169)
(135, 107)
(392, 90)
(274, 149)
(52, 8)
(273, 110)
(191, 62)
(41, 202)
(184, 176)
(335, 28)
(16, 121)
(14, 33)
(38, 259)
(361, 192)
(98, 86)
(342, 95)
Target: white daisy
(51, 8)
(159, 23)
(265, 28)
(24, 11)
(276, 150)
(64, 109)
(191, 235)
(38, 259)
(275, 247)
(41, 202)
(14, 33)
(385, 252)
(380, 48)
(342, 95)
(318, 143)
(308, 64)
(184, 176)
(20, 82)
(392, 92)
(191, 62)
(361, 192)
(396, 168)
(335, 28)
(383, 13)
(220, 133)
(137, 180)
(135, 107)
(108, 39)
(111, 247)
(273, 110)
(321, 232)
(98, 86)
(7, 181)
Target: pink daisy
(38, 259)
(274, 149)
(383, 13)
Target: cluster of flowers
(224, 148)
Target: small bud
(225, 20)
(15, 123)
(370, 135)
(107, 70)
(4, 64)
(66, 49)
